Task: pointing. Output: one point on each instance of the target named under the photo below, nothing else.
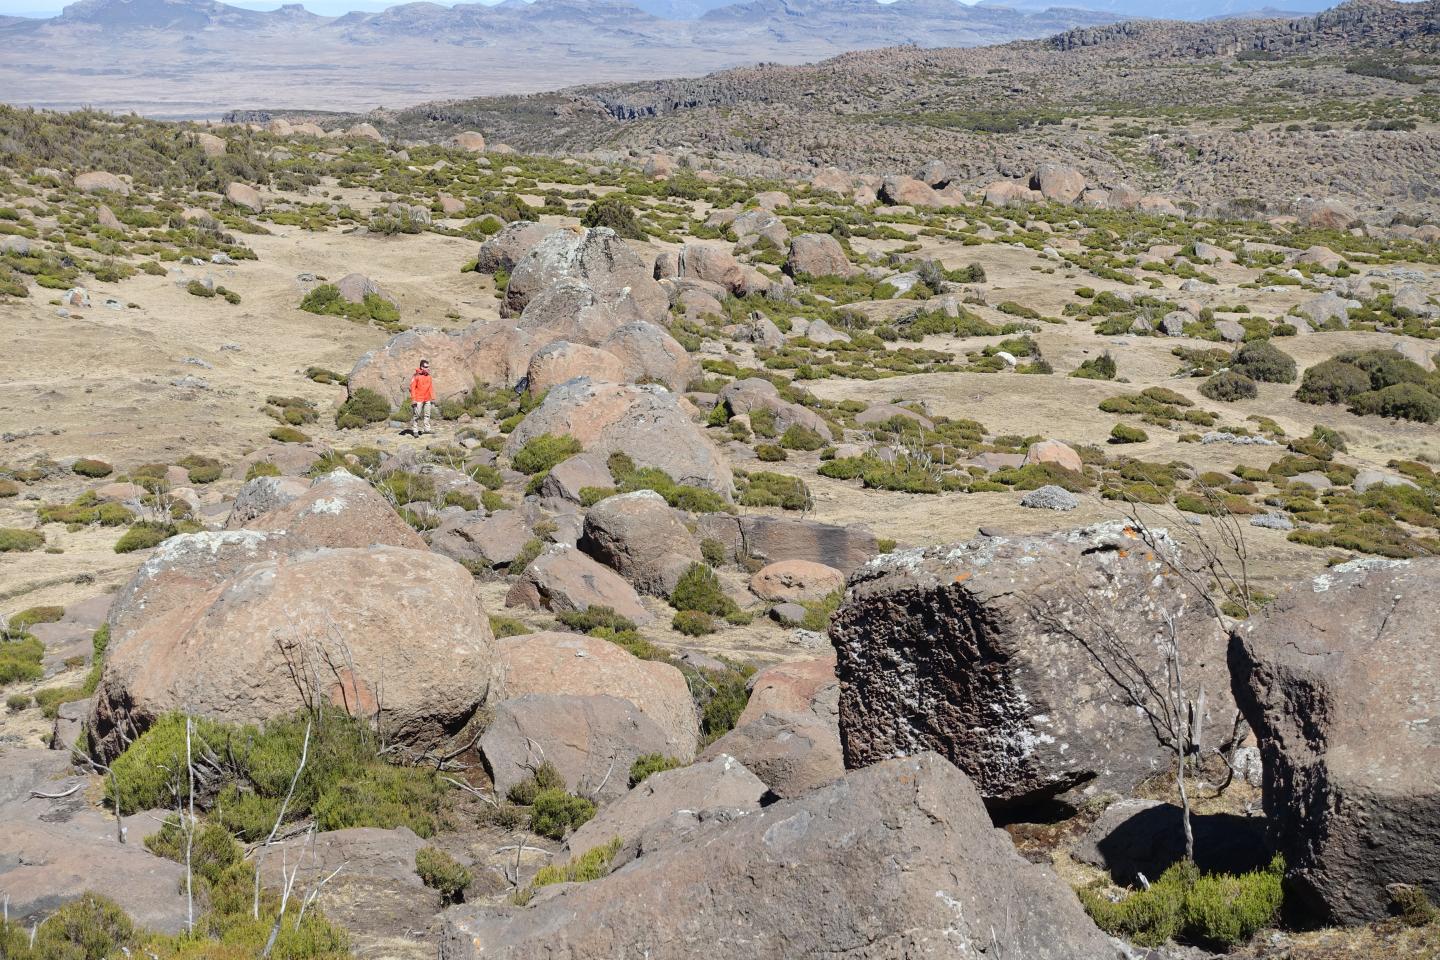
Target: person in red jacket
(422, 398)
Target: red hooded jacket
(422, 388)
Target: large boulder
(598, 257)
(508, 247)
(562, 579)
(788, 735)
(1010, 193)
(570, 309)
(1058, 182)
(769, 539)
(484, 351)
(711, 785)
(645, 422)
(57, 846)
(1022, 659)
(262, 495)
(471, 141)
(355, 287)
(1339, 680)
(339, 510)
(590, 740)
(479, 542)
(381, 628)
(641, 537)
(568, 479)
(741, 397)
(712, 263)
(1326, 214)
(796, 580)
(98, 181)
(648, 354)
(573, 665)
(818, 255)
(562, 360)
(244, 195)
(898, 860)
(909, 192)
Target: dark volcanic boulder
(1001, 653)
(1340, 681)
(897, 860)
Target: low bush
(1400, 401)
(326, 300)
(556, 814)
(590, 865)
(699, 589)
(442, 873)
(766, 489)
(144, 535)
(20, 541)
(651, 763)
(288, 435)
(87, 467)
(1332, 381)
(201, 470)
(797, 437)
(1261, 360)
(540, 454)
(25, 619)
(693, 623)
(1228, 386)
(21, 660)
(1096, 368)
(1215, 911)
(543, 777)
(596, 617)
(363, 408)
(1124, 433)
(614, 212)
(769, 453)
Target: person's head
(424, 366)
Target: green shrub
(531, 549)
(699, 589)
(542, 778)
(87, 467)
(8, 488)
(20, 541)
(17, 702)
(764, 489)
(1124, 433)
(613, 212)
(197, 288)
(1261, 360)
(591, 865)
(503, 626)
(714, 552)
(25, 619)
(1332, 381)
(1167, 396)
(692, 623)
(288, 435)
(1097, 368)
(143, 536)
(542, 453)
(91, 927)
(1400, 401)
(441, 872)
(651, 763)
(1216, 911)
(21, 660)
(797, 437)
(262, 468)
(730, 692)
(1228, 386)
(769, 452)
(595, 617)
(362, 408)
(201, 470)
(556, 814)
(50, 699)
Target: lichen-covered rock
(600, 259)
(897, 860)
(995, 652)
(770, 539)
(510, 245)
(563, 579)
(1339, 680)
(819, 255)
(641, 537)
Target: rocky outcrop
(508, 247)
(1339, 681)
(818, 255)
(1003, 654)
(641, 537)
(644, 422)
(770, 539)
(572, 665)
(897, 860)
(796, 580)
(563, 579)
(617, 274)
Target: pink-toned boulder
(618, 275)
(355, 287)
(568, 478)
(340, 510)
(106, 218)
(262, 495)
(364, 131)
(788, 580)
(1063, 184)
(1053, 451)
(506, 248)
(833, 180)
(571, 664)
(98, 181)
(648, 354)
(368, 630)
(743, 396)
(907, 191)
(562, 578)
(645, 422)
(120, 491)
(562, 360)
(244, 195)
(470, 141)
(1009, 193)
(642, 538)
(210, 145)
(818, 255)
(716, 264)
(482, 541)
(450, 206)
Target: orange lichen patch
(1131, 532)
(353, 695)
(962, 577)
(1123, 553)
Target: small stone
(1050, 497)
